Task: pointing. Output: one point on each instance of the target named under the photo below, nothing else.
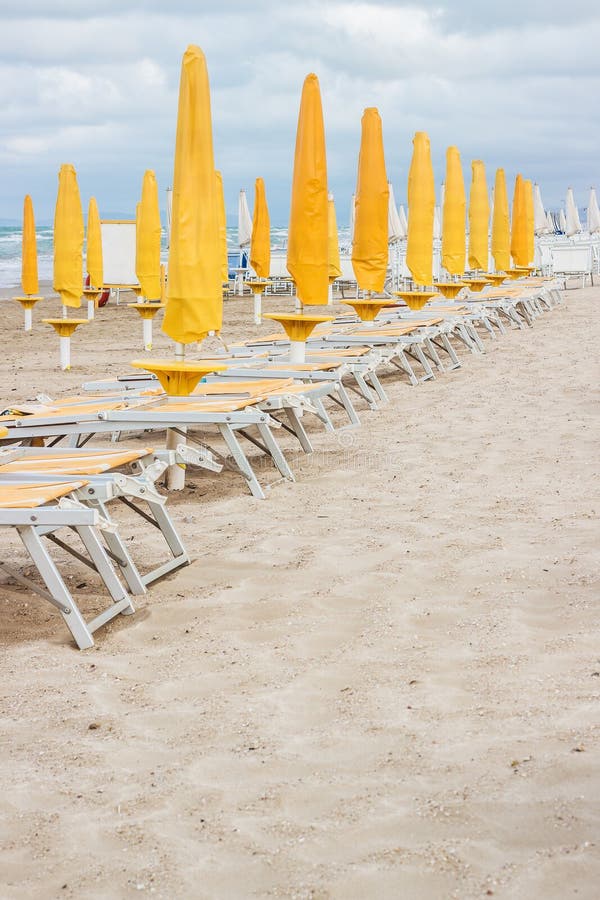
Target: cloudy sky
(95, 84)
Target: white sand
(382, 682)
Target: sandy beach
(381, 682)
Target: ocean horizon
(11, 242)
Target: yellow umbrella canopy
(222, 228)
(518, 242)
(148, 237)
(260, 244)
(308, 254)
(454, 215)
(421, 206)
(501, 224)
(335, 268)
(68, 239)
(29, 263)
(479, 217)
(93, 257)
(370, 241)
(194, 292)
(529, 221)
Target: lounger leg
(105, 569)
(377, 386)
(463, 335)
(418, 351)
(476, 340)
(61, 597)
(169, 532)
(365, 390)
(488, 326)
(498, 322)
(450, 351)
(323, 414)
(400, 360)
(298, 429)
(275, 451)
(120, 554)
(242, 463)
(347, 404)
(526, 314)
(433, 354)
(513, 317)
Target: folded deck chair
(104, 485)
(40, 510)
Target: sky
(95, 84)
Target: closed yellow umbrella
(308, 251)
(148, 238)
(260, 247)
(335, 269)
(194, 291)
(454, 215)
(68, 258)
(501, 224)
(222, 228)
(29, 263)
(479, 217)
(260, 244)
(518, 242)
(370, 250)
(93, 258)
(421, 207)
(529, 221)
(68, 239)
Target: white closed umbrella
(403, 222)
(562, 222)
(437, 224)
(593, 213)
(244, 221)
(573, 225)
(352, 217)
(540, 223)
(394, 223)
(550, 223)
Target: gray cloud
(96, 85)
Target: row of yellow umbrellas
(197, 259)
(370, 239)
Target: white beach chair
(38, 511)
(104, 486)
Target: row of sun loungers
(64, 484)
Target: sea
(11, 240)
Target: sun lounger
(104, 485)
(77, 423)
(38, 511)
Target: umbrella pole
(65, 353)
(90, 309)
(28, 319)
(297, 351)
(175, 473)
(147, 330)
(257, 309)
